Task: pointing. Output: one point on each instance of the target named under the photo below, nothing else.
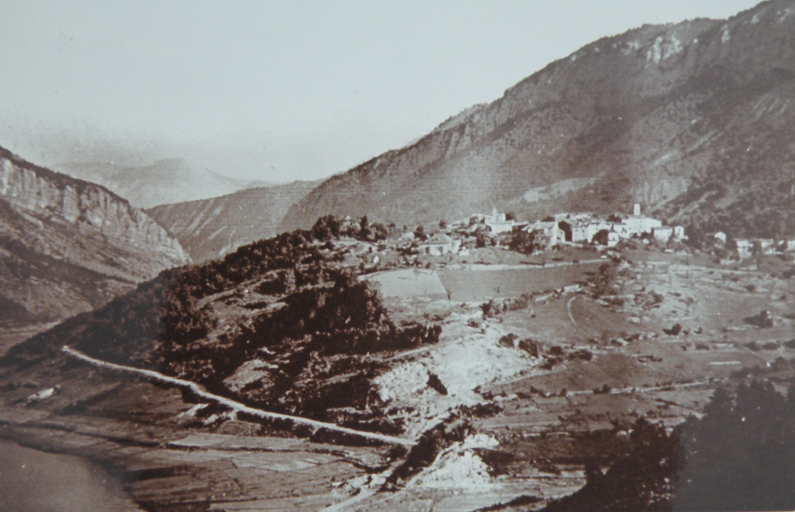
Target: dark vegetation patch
(428, 447)
(739, 456)
(315, 346)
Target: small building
(406, 238)
(623, 230)
(548, 232)
(768, 246)
(498, 223)
(638, 225)
(662, 233)
(667, 233)
(582, 229)
(440, 244)
(745, 248)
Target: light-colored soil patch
(469, 285)
(464, 359)
(459, 467)
(412, 282)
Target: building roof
(439, 238)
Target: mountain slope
(163, 182)
(211, 228)
(686, 119)
(282, 322)
(68, 246)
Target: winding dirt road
(236, 407)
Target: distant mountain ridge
(212, 228)
(695, 121)
(162, 182)
(68, 246)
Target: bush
(508, 340)
(525, 243)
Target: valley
(617, 335)
(494, 399)
(212, 228)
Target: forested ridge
(285, 305)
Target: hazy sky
(281, 90)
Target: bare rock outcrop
(67, 245)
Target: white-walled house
(549, 232)
(641, 224)
(440, 244)
(497, 222)
(662, 233)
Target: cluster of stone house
(588, 228)
(748, 247)
(498, 222)
(440, 244)
(560, 228)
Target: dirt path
(236, 407)
(568, 310)
(480, 267)
(635, 389)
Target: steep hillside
(163, 182)
(211, 228)
(695, 121)
(68, 246)
(282, 323)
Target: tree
(481, 240)
(364, 229)
(739, 456)
(601, 237)
(604, 280)
(526, 243)
(326, 227)
(696, 237)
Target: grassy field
(411, 282)
(485, 283)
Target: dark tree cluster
(330, 226)
(526, 243)
(739, 456)
(309, 339)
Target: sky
(277, 90)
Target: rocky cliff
(694, 121)
(68, 246)
(211, 228)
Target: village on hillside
(588, 228)
(458, 241)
